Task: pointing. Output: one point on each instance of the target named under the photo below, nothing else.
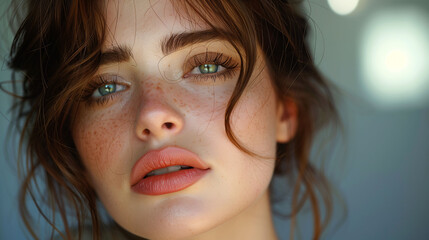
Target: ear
(287, 120)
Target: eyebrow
(116, 54)
(169, 44)
(177, 41)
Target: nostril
(168, 125)
(146, 131)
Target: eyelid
(111, 77)
(210, 58)
(228, 70)
(108, 78)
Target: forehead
(131, 20)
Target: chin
(180, 217)
(186, 229)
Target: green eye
(107, 89)
(208, 68)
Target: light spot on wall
(395, 57)
(343, 7)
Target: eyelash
(197, 60)
(98, 82)
(212, 58)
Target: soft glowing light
(343, 7)
(395, 57)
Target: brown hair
(58, 48)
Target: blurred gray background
(378, 56)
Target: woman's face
(155, 97)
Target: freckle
(182, 104)
(175, 100)
(148, 85)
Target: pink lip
(168, 182)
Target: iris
(107, 89)
(208, 68)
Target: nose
(157, 121)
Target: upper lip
(165, 157)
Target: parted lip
(164, 157)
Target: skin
(230, 202)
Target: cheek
(99, 139)
(254, 117)
(202, 106)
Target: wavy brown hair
(58, 48)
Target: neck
(254, 223)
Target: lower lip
(169, 182)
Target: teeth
(167, 170)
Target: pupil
(106, 89)
(208, 68)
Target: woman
(174, 114)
